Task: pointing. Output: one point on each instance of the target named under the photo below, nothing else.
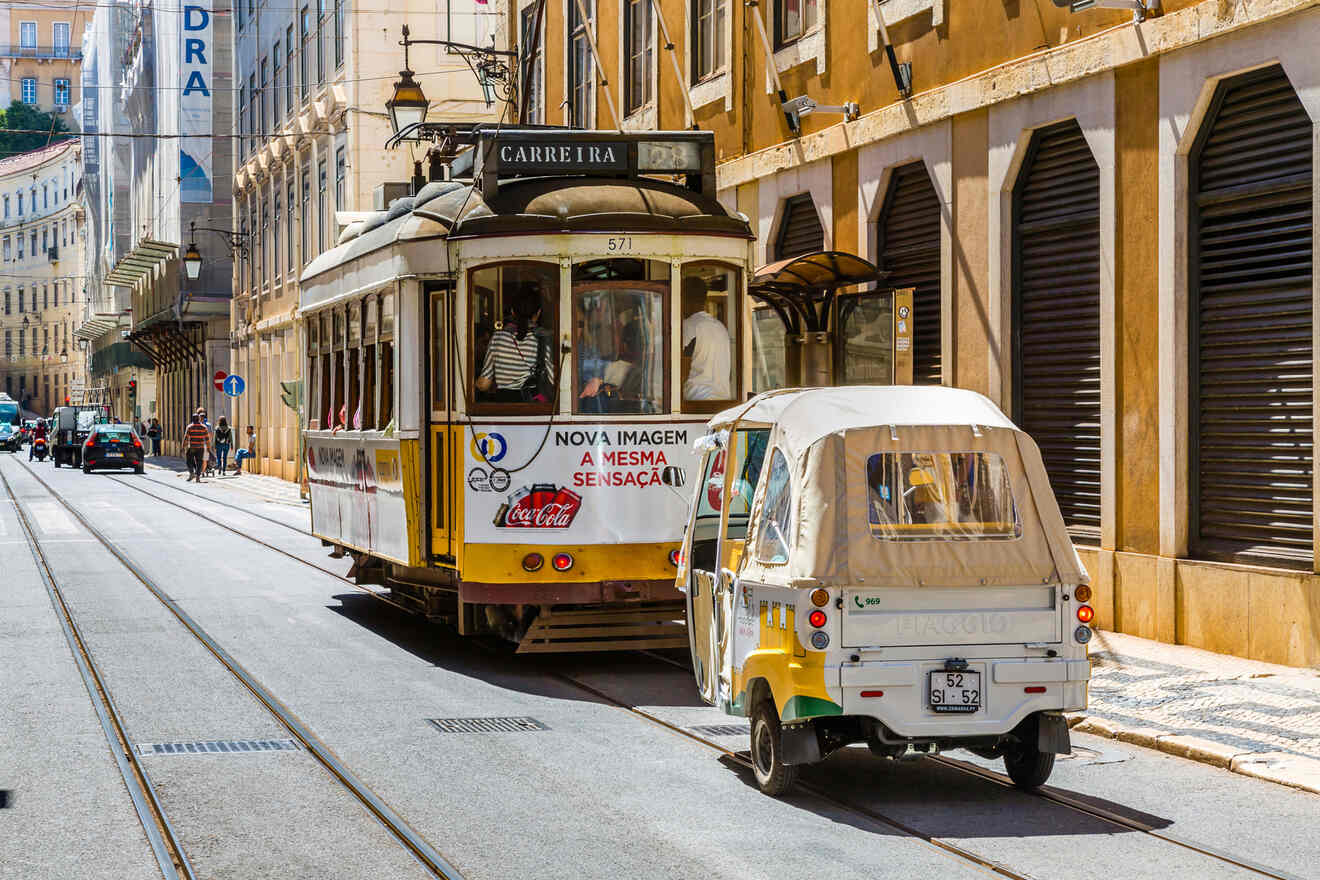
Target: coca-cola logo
(543, 506)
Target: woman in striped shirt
(518, 366)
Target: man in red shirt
(197, 446)
(38, 433)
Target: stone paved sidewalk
(1254, 718)
(265, 487)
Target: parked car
(10, 439)
(112, 446)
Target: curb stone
(1279, 767)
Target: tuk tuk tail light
(1083, 593)
(1085, 613)
(820, 598)
(817, 618)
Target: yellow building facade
(40, 54)
(1108, 223)
(41, 241)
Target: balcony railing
(11, 50)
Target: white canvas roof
(827, 434)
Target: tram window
(326, 398)
(439, 348)
(710, 336)
(619, 363)
(369, 365)
(383, 421)
(866, 339)
(339, 409)
(353, 369)
(514, 309)
(313, 362)
(769, 353)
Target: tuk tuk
(883, 565)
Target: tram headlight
(561, 561)
(533, 562)
(1082, 634)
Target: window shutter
(909, 249)
(1056, 275)
(1251, 327)
(800, 231)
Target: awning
(801, 289)
(97, 326)
(137, 263)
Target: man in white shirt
(707, 340)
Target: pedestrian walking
(197, 445)
(153, 434)
(223, 438)
(250, 451)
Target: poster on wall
(588, 484)
(195, 104)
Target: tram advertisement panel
(357, 494)
(588, 484)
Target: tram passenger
(517, 366)
(706, 340)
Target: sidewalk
(265, 487)
(1253, 718)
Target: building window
(6, 206)
(340, 12)
(794, 19)
(341, 169)
(321, 216)
(45, 196)
(263, 126)
(708, 18)
(60, 39)
(306, 212)
(27, 35)
(581, 79)
(29, 90)
(261, 243)
(21, 307)
(61, 93)
(275, 237)
(6, 253)
(240, 117)
(639, 41)
(289, 47)
(320, 43)
(535, 67)
(275, 113)
(253, 125)
(305, 30)
(293, 256)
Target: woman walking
(153, 433)
(223, 438)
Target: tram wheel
(1027, 765)
(773, 776)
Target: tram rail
(948, 847)
(177, 863)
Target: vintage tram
(505, 374)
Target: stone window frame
(717, 86)
(646, 117)
(808, 47)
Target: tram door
(441, 462)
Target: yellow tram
(505, 375)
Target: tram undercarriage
(625, 615)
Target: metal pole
(600, 69)
(678, 71)
(755, 12)
(904, 86)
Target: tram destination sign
(558, 157)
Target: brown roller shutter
(1250, 316)
(1056, 236)
(909, 248)
(800, 231)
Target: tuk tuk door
(702, 553)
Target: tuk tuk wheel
(773, 776)
(1028, 766)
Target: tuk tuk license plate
(955, 691)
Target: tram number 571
(617, 244)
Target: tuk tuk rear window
(940, 496)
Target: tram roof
(535, 205)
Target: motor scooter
(39, 448)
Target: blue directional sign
(234, 385)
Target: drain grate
(218, 747)
(510, 724)
(723, 729)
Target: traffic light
(132, 390)
(66, 400)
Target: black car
(112, 446)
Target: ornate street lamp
(408, 105)
(192, 258)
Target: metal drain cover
(504, 724)
(218, 747)
(723, 729)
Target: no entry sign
(219, 380)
